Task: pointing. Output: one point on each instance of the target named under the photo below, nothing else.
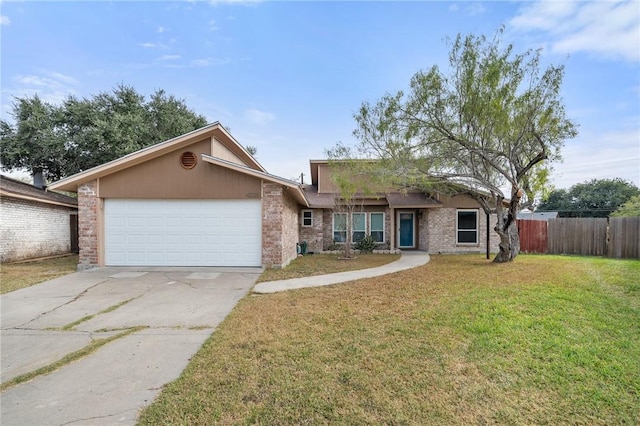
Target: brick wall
(313, 234)
(441, 229)
(279, 226)
(423, 229)
(290, 234)
(327, 232)
(29, 229)
(88, 204)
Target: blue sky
(287, 77)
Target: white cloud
(255, 116)
(4, 20)
(208, 62)
(147, 45)
(213, 25)
(169, 57)
(200, 62)
(606, 29)
(607, 155)
(474, 8)
(51, 80)
(162, 29)
(50, 86)
(471, 9)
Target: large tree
(594, 198)
(34, 143)
(82, 133)
(491, 120)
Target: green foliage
(251, 150)
(493, 118)
(34, 142)
(83, 133)
(595, 198)
(629, 209)
(366, 245)
(354, 180)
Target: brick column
(88, 204)
(279, 226)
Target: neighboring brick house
(201, 199)
(34, 222)
(406, 221)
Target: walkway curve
(408, 260)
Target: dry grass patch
(14, 276)
(320, 264)
(545, 340)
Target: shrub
(366, 245)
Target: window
(339, 227)
(467, 227)
(307, 218)
(377, 227)
(358, 226)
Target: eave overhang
(8, 194)
(412, 200)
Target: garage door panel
(182, 232)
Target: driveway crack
(176, 280)
(82, 293)
(106, 416)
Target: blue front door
(405, 225)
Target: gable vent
(188, 160)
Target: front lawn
(14, 276)
(320, 264)
(544, 340)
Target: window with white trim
(467, 227)
(339, 227)
(307, 218)
(376, 227)
(358, 226)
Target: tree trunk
(507, 229)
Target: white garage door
(183, 232)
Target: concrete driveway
(179, 307)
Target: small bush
(366, 245)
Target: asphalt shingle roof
(9, 187)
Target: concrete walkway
(408, 260)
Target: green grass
(112, 308)
(320, 264)
(14, 276)
(543, 340)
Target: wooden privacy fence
(587, 236)
(624, 238)
(615, 237)
(533, 236)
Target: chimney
(38, 179)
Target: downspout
(488, 238)
(392, 239)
